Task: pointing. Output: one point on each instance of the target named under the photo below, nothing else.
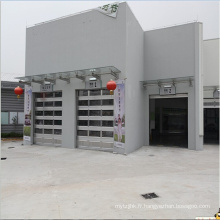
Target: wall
(211, 62)
(134, 92)
(82, 41)
(171, 53)
(10, 103)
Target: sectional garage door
(95, 119)
(48, 118)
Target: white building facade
(159, 76)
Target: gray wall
(10, 103)
(169, 52)
(134, 96)
(177, 52)
(211, 62)
(82, 41)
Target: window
(95, 113)
(107, 102)
(39, 104)
(13, 118)
(95, 102)
(83, 93)
(83, 113)
(83, 102)
(58, 104)
(58, 131)
(48, 131)
(48, 122)
(57, 113)
(48, 113)
(82, 123)
(107, 134)
(58, 122)
(48, 95)
(95, 92)
(20, 117)
(94, 123)
(81, 133)
(48, 104)
(58, 94)
(107, 123)
(94, 133)
(4, 117)
(107, 112)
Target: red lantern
(18, 91)
(111, 85)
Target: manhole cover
(151, 155)
(3, 158)
(10, 147)
(150, 196)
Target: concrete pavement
(58, 183)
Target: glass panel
(82, 123)
(48, 131)
(94, 133)
(39, 113)
(58, 122)
(107, 102)
(39, 130)
(58, 131)
(48, 95)
(48, 104)
(48, 122)
(48, 113)
(57, 113)
(58, 104)
(13, 118)
(94, 123)
(58, 94)
(107, 123)
(83, 93)
(107, 134)
(105, 92)
(83, 113)
(4, 118)
(39, 95)
(39, 104)
(83, 102)
(95, 92)
(39, 122)
(94, 102)
(82, 133)
(95, 113)
(107, 112)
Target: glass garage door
(48, 118)
(95, 119)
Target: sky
(17, 15)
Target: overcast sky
(15, 16)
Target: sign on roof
(109, 9)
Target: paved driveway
(59, 183)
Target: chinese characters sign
(109, 9)
(93, 84)
(171, 90)
(119, 114)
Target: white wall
(81, 41)
(134, 102)
(169, 52)
(211, 62)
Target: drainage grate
(150, 196)
(10, 147)
(3, 158)
(151, 155)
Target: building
(12, 108)
(159, 75)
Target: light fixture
(167, 86)
(92, 79)
(92, 70)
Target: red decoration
(18, 91)
(111, 85)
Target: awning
(168, 81)
(66, 76)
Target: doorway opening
(211, 125)
(169, 122)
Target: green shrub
(11, 135)
(27, 131)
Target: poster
(119, 114)
(27, 112)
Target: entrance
(95, 117)
(169, 122)
(211, 125)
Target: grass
(116, 138)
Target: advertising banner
(119, 114)
(27, 112)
